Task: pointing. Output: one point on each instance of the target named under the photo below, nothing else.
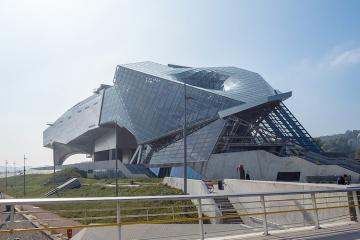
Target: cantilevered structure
(229, 110)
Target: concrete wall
(126, 157)
(301, 201)
(108, 165)
(125, 141)
(196, 187)
(105, 142)
(263, 165)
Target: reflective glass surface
(155, 106)
(200, 145)
(113, 110)
(79, 119)
(236, 83)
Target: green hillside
(347, 142)
(38, 185)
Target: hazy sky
(54, 53)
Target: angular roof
(232, 82)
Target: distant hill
(10, 168)
(348, 142)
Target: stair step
(227, 209)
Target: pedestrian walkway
(19, 223)
(49, 219)
(39, 217)
(343, 231)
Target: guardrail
(246, 205)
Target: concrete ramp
(70, 184)
(245, 205)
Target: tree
(319, 142)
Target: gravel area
(4, 217)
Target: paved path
(344, 231)
(47, 218)
(44, 218)
(160, 231)
(21, 236)
(350, 231)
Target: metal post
(85, 216)
(316, 216)
(262, 200)
(118, 214)
(24, 177)
(6, 183)
(116, 163)
(201, 223)
(139, 154)
(356, 205)
(14, 164)
(12, 213)
(118, 219)
(54, 177)
(185, 146)
(173, 212)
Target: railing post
(356, 205)
(85, 216)
(200, 216)
(12, 213)
(118, 219)
(316, 216)
(173, 212)
(262, 200)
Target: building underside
(139, 120)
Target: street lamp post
(24, 176)
(116, 163)
(118, 220)
(6, 183)
(185, 146)
(54, 176)
(14, 164)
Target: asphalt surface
(4, 224)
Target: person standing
(247, 177)
(341, 180)
(346, 179)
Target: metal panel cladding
(155, 106)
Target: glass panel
(155, 106)
(199, 146)
(79, 119)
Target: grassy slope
(91, 188)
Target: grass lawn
(39, 184)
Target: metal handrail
(24, 201)
(197, 199)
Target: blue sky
(54, 53)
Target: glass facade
(204, 78)
(177, 172)
(113, 109)
(147, 99)
(155, 106)
(78, 120)
(200, 145)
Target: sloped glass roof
(232, 82)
